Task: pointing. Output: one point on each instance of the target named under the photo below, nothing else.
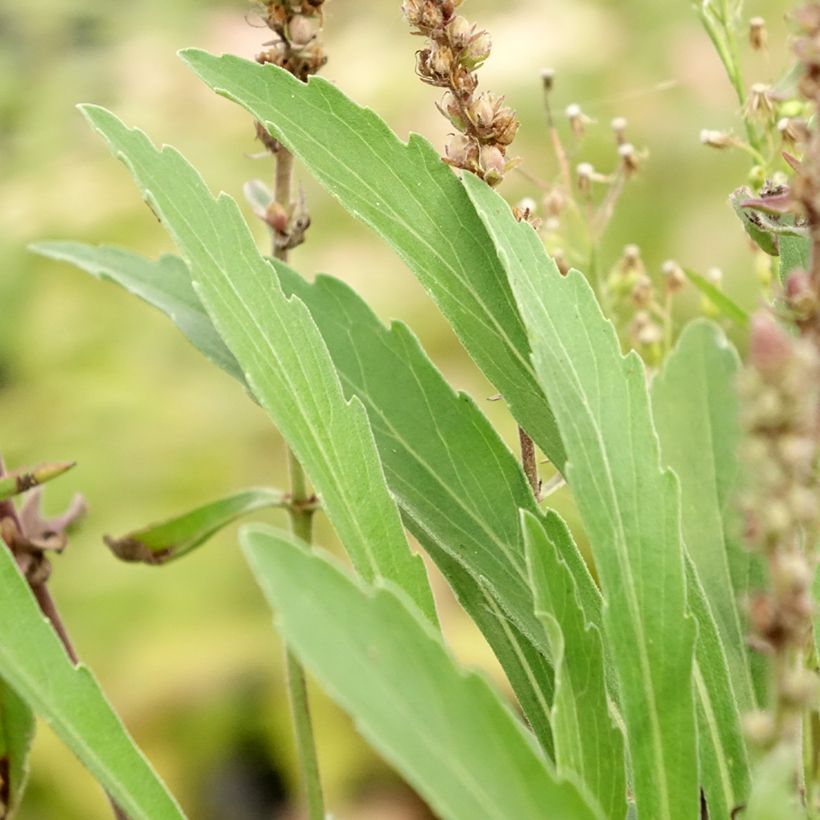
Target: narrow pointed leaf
(22, 480)
(68, 698)
(16, 736)
(443, 728)
(171, 539)
(724, 763)
(721, 302)
(629, 506)
(411, 199)
(281, 353)
(696, 413)
(457, 482)
(164, 284)
(588, 748)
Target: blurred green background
(187, 653)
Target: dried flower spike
(454, 50)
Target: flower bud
(770, 346)
(578, 121)
(629, 158)
(618, 126)
(800, 296)
(759, 728)
(462, 152)
(301, 30)
(460, 31)
(673, 275)
(548, 79)
(491, 161)
(642, 292)
(758, 35)
(717, 139)
(477, 50)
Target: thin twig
(301, 522)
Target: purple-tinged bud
(800, 296)
(462, 152)
(477, 50)
(492, 164)
(301, 30)
(770, 346)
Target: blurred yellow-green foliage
(187, 653)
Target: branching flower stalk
(455, 49)
(297, 48)
(781, 393)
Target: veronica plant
(632, 674)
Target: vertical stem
(528, 462)
(301, 524)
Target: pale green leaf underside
(629, 506)
(459, 485)
(444, 729)
(68, 698)
(696, 412)
(170, 539)
(16, 736)
(588, 747)
(282, 354)
(411, 199)
(164, 284)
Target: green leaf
(722, 303)
(629, 506)
(285, 361)
(588, 747)
(696, 413)
(16, 736)
(443, 728)
(753, 223)
(165, 284)
(68, 698)
(412, 200)
(795, 254)
(173, 538)
(724, 764)
(457, 482)
(24, 479)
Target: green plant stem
(301, 523)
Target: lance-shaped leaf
(629, 506)
(164, 284)
(795, 254)
(457, 482)
(696, 413)
(412, 200)
(443, 728)
(68, 698)
(173, 538)
(724, 764)
(588, 747)
(24, 479)
(282, 354)
(16, 736)
(720, 301)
